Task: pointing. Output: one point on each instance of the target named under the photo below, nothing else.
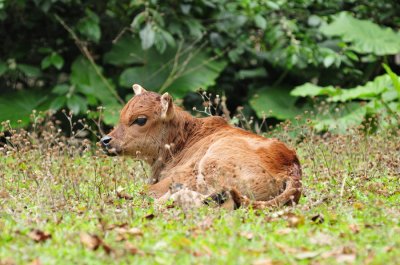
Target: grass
(63, 203)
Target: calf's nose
(105, 140)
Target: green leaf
(200, 72)
(252, 73)
(350, 117)
(46, 62)
(29, 70)
(168, 38)
(77, 104)
(311, 90)
(138, 20)
(87, 81)
(111, 113)
(314, 20)
(370, 90)
(89, 26)
(58, 103)
(364, 35)
(273, 5)
(125, 51)
(274, 99)
(19, 105)
(260, 21)
(155, 70)
(195, 27)
(61, 89)
(3, 67)
(329, 60)
(57, 61)
(394, 78)
(147, 35)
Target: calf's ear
(167, 107)
(138, 89)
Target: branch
(83, 48)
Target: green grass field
(61, 203)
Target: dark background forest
(271, 60)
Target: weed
(64, 202)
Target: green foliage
(21, 104)
(88, 54)
(178, 70)
(379, 96)
(276, 102)
(363, 35)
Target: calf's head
(142, 127)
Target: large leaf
(277, 100)
(368, 91)
(125, 51)
(176, 71)
(3, 67)
(364, 35)
(372, 89)
(88, 82)
(311, 90)
(89, 26)
(19, 105)
(350, 117)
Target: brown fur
(206, 155)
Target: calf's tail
(290, 195)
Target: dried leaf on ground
(124, 232)
(150, 216)
(35, 262)
(307, 255)
(93, 242)
(124, 195)
(265, 261)
(130, 248)
(354, 228)
(321, 239)
(4, 194)
(38, 235)
(90, 241)
(318, 218)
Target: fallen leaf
(318, 218)
(247, 235)
(263, 262)
(307, 255)
(295, 221)
(124, 232)
(106, 247)
(132, 249)
(346, 258)
(206, 223)
(321, 239)
(7, 261)
(4, 194)
(358, 206)
(284, 231)
(354, 228)
(116, 226)
(35, 262)
(90, 241)
(38, 235)
(124, 195)
(93, 242)
(150, 216)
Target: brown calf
(207, 156)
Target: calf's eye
(140, 121)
